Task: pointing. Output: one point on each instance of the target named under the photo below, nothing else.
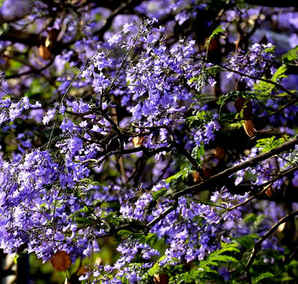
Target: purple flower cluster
(109, 120)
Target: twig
(109, 20)
(266, 186)
(268, 233)
(225, 173)
(162, 215)
(257, 78)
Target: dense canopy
(151, 141)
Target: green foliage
(199, 118)
(124, 234)
(183, 174)
(155, 269)
(263, 276)
(267, 144)
(4, 27)
(280, 73)
(198, 152)
(218, 30)
(157, 194)
(247, 242)
(213, 70)
(250, 218)
(264, 89)
(207, 269)
(154, 242)
(291, 55)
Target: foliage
(149, 141)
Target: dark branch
(213, 180)
(273, 3)
(265, 236)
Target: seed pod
(196, 176)
(51, 38)
(213, 49)
(82, 270)
(244, 106)
(207, 172)
(219, 153)
(269, 191)
(44, 52)
(249, 128)
(138, 141)
(61, 261)
(161, 278)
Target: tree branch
(268, 233)
(279, 86)
(266, 186)
(224, 174)
(124, 6)
(273, 3)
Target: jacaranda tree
(164, 130)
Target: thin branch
(162, 215)
(257, 246)
(109, 20)
(279, 86)
(225, 173)
(125, 151)
(273, 3)
(266, 186)
(32, 70)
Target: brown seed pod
(61, 260)
(51, 38)
(161, 278)
(249, 128)
(245, 106)
(207, 172)
(219, 153)
(213, 44)
(44, 52)
(138, 141)
(82, 270)
(196, 176)
(269, 191)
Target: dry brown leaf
(138, 141)
(196, 176)
(219, 152)
(82, 270)
(269, 191)
(161, 278)
(249, 128)
(44, 52)
(61, 260)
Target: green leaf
(213, 70)
(181, 174)
(267, 144)
(193, 79)
(198, 152)
(156, 267)
(199, 117)
(155, 242)
(247, 241)
(291, 55)
(263, 276)
(15, 259)
(157, 194)
(250, 218)
(222, 258)
(218, 30)
(280, 73)
(124, 233)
